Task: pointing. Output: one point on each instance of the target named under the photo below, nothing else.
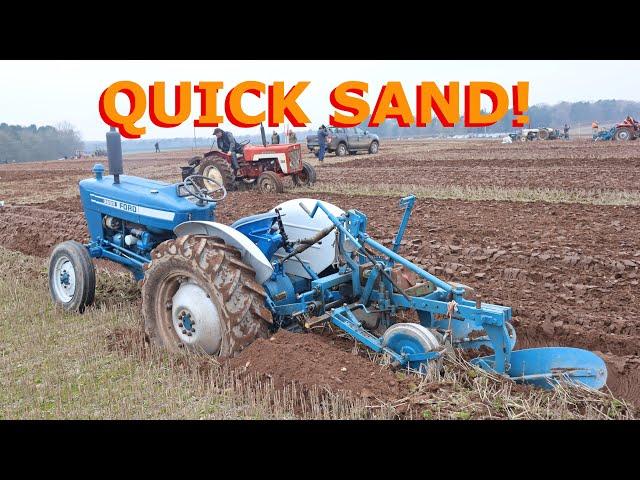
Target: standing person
(594, 128)
(275, 138)
(292, 137)
(323, 133)
(157, 145)
(228, 144)
(566, 131)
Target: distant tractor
(629, 129)
(605, 135)
(262, 166)
(547, 133)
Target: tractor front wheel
(270, 182)
(72, 276)
(306, 178)
(198, 295)
(219, 170)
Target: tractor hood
(155, 204)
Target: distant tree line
(25, 144)
(555, 116)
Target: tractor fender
(251, 254)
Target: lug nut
(184, 332)
(193, 330)
(189, 334)
(180, 324)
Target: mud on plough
(216, 288)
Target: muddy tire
(72, 276)
(198, 295)
(219, 170)
(623, 134)
(306, 178)
(373, 148)
(341, 150)
(270, 182)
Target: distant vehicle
(525, 135)
(529, 134)
(346, 140)
(629, 129)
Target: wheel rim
(342, 150)
(214, 174)
(64, 279)
(374, 148)
(623, 135)
(303, 177)
(195, 318)
(268, 185)
(187, 316)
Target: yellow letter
(447, 107)
(392, 93)
(157, 111)
(208, 102)
(358, 107)
(124, 123)
(281, 105)
(473, 116)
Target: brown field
(548, 228)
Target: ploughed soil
(569, 271)
(319, 360)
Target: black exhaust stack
(264, 135)
(114, 154)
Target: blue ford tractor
(216, 288)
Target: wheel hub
(214, 174)
(195, 318)
(65, 279)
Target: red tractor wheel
(218, 169)
(270, 182)
(305, 178)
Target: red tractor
(629, 129)
(262, 166)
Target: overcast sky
(49, 92)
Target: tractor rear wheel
(217, 169)
(270, 182)
(622, 134)
(198, 295)
(72, 276)
(306, 177)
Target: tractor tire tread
(230, 282)
(276, 179)
(223, 166)
(311, 175)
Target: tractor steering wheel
(202, 192)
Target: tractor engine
(129, 216)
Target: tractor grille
(294, 158)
